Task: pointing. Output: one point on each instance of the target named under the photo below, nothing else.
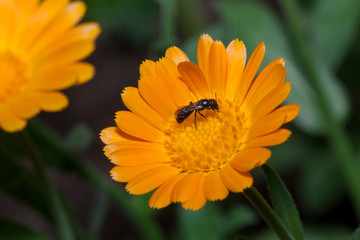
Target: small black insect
(184, 112)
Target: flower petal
(270, 77)
(291, 111)
(51, 101)
(247, 159)
(235, 181)
(166, 71)
(271, 139)
(186, 187)
(111, 135)
(162, 196)
(137, 127)
(198, 200)
(176, 55)
(194, 79)
(126, 174)
(236, 58)
(203, 49)
(267, 124)
(214, 188)
(136, 156)
(9, 121)
(135, 103)
(217, 69)
(150, 180)
(24, 106)
(250, 71)
(154, 94)
(271, 101)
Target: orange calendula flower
(41, 44)
(192, 162)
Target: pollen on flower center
(12, 75)
(209, 146)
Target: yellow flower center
(209, 146)
(12, 75)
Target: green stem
(55, 203)
(98, 214)
(337, 135)
(267, 213)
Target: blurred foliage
(332, 29)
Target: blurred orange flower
(192, 162)
(41, 44)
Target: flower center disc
(209, 146)
(12, 75)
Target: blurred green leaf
(317, 182)
(253, 22)
(17, 181)
(210, 223)
(10, 230)
(334, 27)
(283, 203)
(79, 138)
(356, 234)
(134, 20)
(318, 232)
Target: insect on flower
(184, 112)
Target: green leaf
(253, 22)
(283, 203)
(79, 138)
(356, 234)
(10, 230)
(334, 28)
(317, 173)
(210, 223)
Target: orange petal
(162, 196)
(214, 188)
(7, 17)
(270, 77)
(194, 79)
(271, 139)
(66, 19)
(150, 180)
(84, 71)
(247, 159)
(217, 68)
(24, 106)
(137, 127)
(126, 144)
(166, 71)
(235, 181)
(250, 71)
(291, 111)
(8, 121)
(236, 58)
(135, 103)
(154, 94)
(28, 6)
(111, 135)
(203, 49)
(54, 81)
(147, 67)
(136, 156)
(271, 101)
(198, 200)
(51, 101)
(267, 124)
(176, 55)
(126, 174)
(186, 187)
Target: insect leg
(195, 118)
(202, 115)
